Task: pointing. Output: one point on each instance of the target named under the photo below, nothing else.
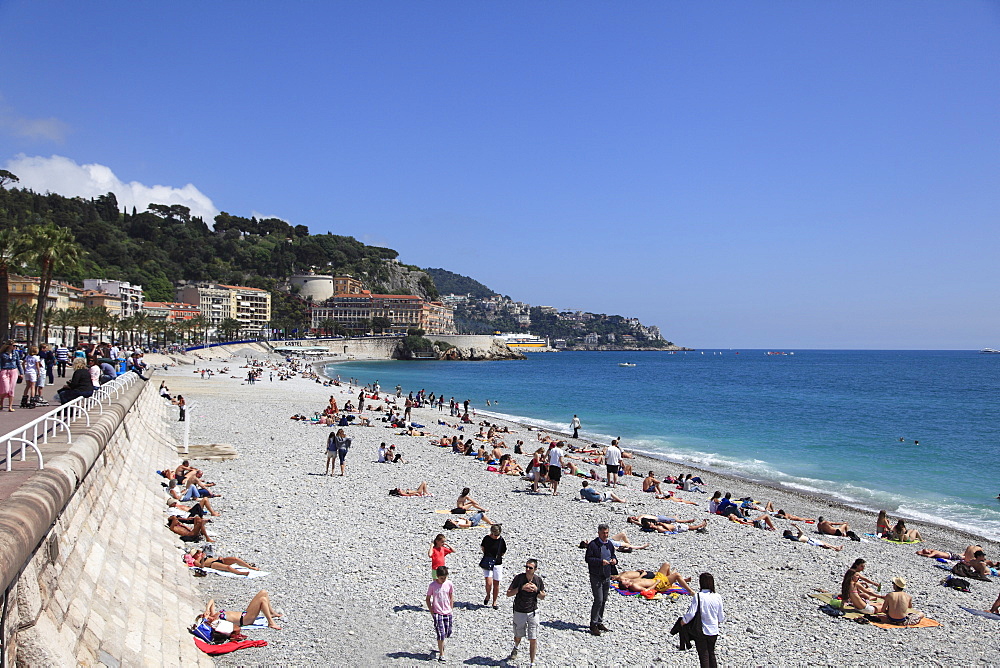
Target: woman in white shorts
(31, 365)
(494, 547)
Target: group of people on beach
(190, 510)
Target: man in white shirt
(612, 461)
(575, 426)
(555, 465)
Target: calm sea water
(826, 421)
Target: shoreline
(348, 564)
(831, 499)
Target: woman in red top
(438, 552)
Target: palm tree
(200, 324)
(140, 322)
(63, 318)
(52, 248)
(114, 324)
(20, 312)
(77, 319)
(125, 326)
(50, 314)
(229, 327)
(327, 324)
(102, 317)
(13, 251)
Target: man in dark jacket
(602, 564)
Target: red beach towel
(227, 647)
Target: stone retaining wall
(91, 574)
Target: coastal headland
(348, 562)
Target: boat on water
(626, 364)
(989, 351)
(523, 342)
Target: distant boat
(989, 351)
(777, 352)
(625, 364)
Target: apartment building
(251, 307)
(170, 311)
(129, 296)
(97, 299)
(24, 290)
(436, 318)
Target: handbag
(693, 627)
(487, 563)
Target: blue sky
(769, 174)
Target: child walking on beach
(440, 601)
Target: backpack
(957, 583)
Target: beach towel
(259, 623)
(227, 647)
(245, 576)
(924, 623)
(888, 540)
(981, 613)
(828, 599)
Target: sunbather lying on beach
(666, 524)
(661, 580)
(782, 515)
(832, 528)
(196, 509)
(189, 534)
(466, 503)
(421, 490)
(509, 466)
(588, 493)
(800, 537)
(475, 519)
(227, 564)
(258, 605)
(762, 521)
(620, 541)
(749, 504)
(938, 554)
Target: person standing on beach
(331, 453)
(575, 426)
(601, 564)
(181, 404)
(708, 606)
(612, 462)
(555, 465)
(407, 412)
(527, 589)
(361, 401)
(440, 602)
(343, 445)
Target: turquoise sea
(823, 421)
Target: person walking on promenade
(62, 359)
(601, 564)
(493, 547)
(440, 601)
(527, 589)
(707, 606)
(575, 426)
(555, 465)
(8, 374)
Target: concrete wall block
(43, 645)
(29, 596)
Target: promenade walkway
(119, 593)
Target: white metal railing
(60, 419)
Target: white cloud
(63, 176)
(33, 128)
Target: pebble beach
(348, 563)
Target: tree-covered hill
(448, 282)
(165, 244)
